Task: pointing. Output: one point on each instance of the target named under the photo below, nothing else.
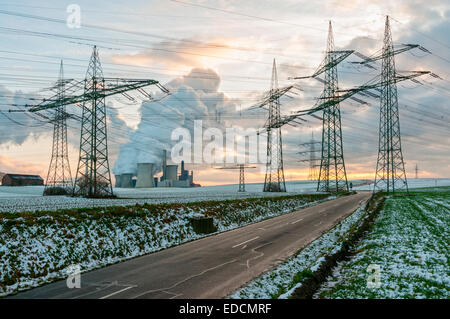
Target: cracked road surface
(212, 267)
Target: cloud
(174, 54)
(12, 165)
(194, 96)
(15, 127)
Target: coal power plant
(145, 179)
(145, 176)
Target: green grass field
(409, 241)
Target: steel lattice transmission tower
(313, 158)
(241, 178)
(390, 174)
(241, 168)
(93, 177)
(332, 174)
(312, 173)
(274, 180)
(59, 169)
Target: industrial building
(22, 180)
(145, 179)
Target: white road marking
(247, 241)
(261, 254)
(115, 293)
(184, 280)
(318, 224)
(93, 292)
(298, 220)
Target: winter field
(35, 248)
(29, 198)
(41, 236)
(21, 199)
(410, 242)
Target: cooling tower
(125, 181)
(118, 177)
(145, 175)
(171, 171)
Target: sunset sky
(228, 48)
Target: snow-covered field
(35, 248)
(410, 244)
(30, 198)
(414, 183)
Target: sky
(216, 57)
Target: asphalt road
(212, 267)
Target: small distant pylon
(274, 180)
(241, 178)
(332, 175)
(59, 169)
(312, 174)
(417, 171)
(312, 159)
(241, 168)
(93, 178)
(390, 173)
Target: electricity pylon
(312, 160)
(332, 174)
(241, 168)
(59, 169)
(93, 175)
(312, 174)
(241, 178)
(274, 180)
(390, 173)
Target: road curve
(212, 267)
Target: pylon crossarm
(330, 101)
(65, 82)
(272, 96)
(111, 87)
(380, 56)
(327, 63)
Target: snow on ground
(12, 198)
(410, 244)
(36, 248)
(283, 280)
(414, 183)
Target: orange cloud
(176, 54)
(11, 165)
